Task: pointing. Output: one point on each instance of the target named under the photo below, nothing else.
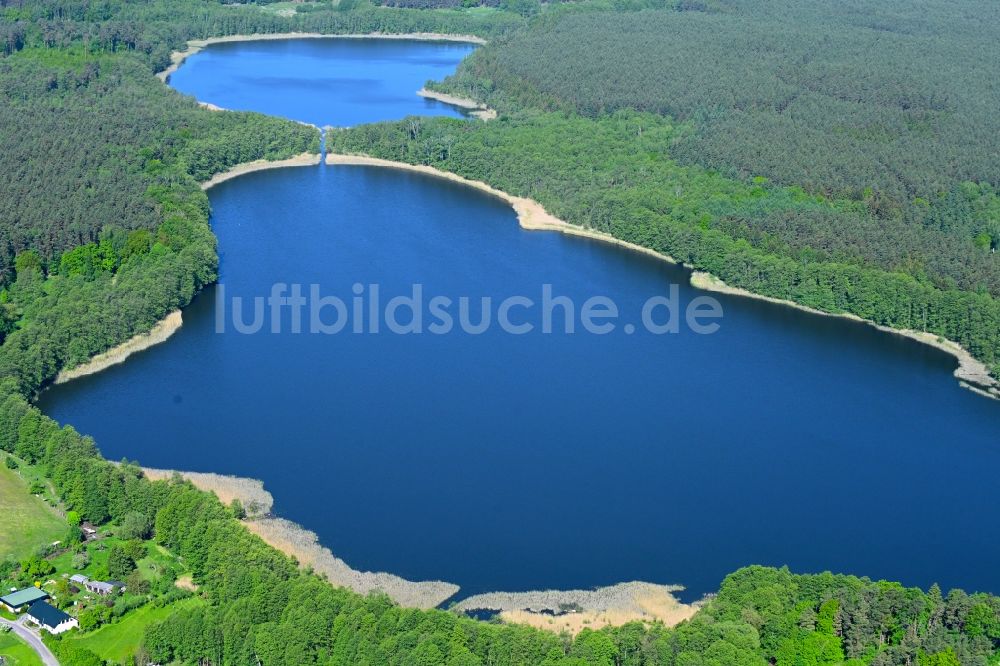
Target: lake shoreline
(177, 58)
(166, 327)
(543, 609)
(531, 215)
(573, 610)
(160, 332)
(300, 160)
(613, 605)
(971, 373)
(472, 106)
(295, 541)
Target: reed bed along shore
(117, 354)
(302, 544)
(574, 610)
(557, 610)
(293, 539)
(250, 492)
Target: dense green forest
(104, 230)
(841, 156)
(614, 174)
(887, 104)
(263, 609)
(151, 29)
(836, 97)
(104, 227)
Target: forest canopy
(886, 104)
(835, 97)
(811, 153)
(844, 156)
(103, 228)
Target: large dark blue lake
(502, 461)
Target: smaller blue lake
(335, 81)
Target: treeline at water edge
(105, 230)
(615, 174)
(862, 138)
(907, 240)
(104, 227)
(153, 29)
(261, 608)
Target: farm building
(15, 602)
(51, 618)
(103, 588)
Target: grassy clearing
(28, 521)
(117, 642)
(17, 651)
(290, 8)
(98, 565)
(158, 560)
(477, 11)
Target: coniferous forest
(863, 179)
(840, 156)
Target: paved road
(32, 639)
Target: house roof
(100, 586)
(47, 615)
(78, 578)
(25, 596)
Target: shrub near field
(118, 642)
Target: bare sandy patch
(474, 108)
(186, 582)
(304, 159)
